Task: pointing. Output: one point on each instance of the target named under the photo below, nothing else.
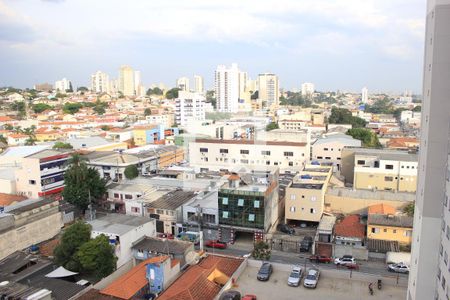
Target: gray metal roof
(172, 200)
(162, 246)
(118, 224)
(390, 220)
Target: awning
(60, 272)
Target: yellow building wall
(370, 181)
(303, 204)
(390, 233)
(170, 157)
(43, 137)
(139, 137)
(111, 147)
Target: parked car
(345, 260)
(311, 278)
(285, 228)
(398, 268)
(305, 246)
(308, 238)
(320, 259)
(230, 295)
(249, 297)
(264, 272)
(165, 236)
(216, 244)
(296, 276)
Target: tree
(62, 145)
(82, 89)
(82, 182)
(382, 106)
(73, 237)
(261, 251)
(272, 126)
(366, 136)
(409, 209)
(155, 91)
(40, 107)
(131, 172)
(417, 108)
(344, 116)
(105, 128)
(172, 93)
(3, 140)
(210, 97)
(147, 112)
(8, 127)
(97, 257)
(30, 141)
(71, 108)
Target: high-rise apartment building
(199, 87)
(243, 77)
(307, 89)
(183, 84)
(100, 82)
(137, 81)
(268, 92)
(227, 88)
(126, 81)
(364, 95)
(189, 107)
(429, 277)
(43, 87)
(63, 85)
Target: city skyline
(336, 45)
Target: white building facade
(227, 88)
(364, 95)
(199, 86)
(183, 84)
(268, 89)
(189, 107)
(307, 89)
(100, 82)
(63, 85)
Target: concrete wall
(357, 253)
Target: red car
(216, 244)
(249, 297)
(320, 259)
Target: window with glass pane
(240, 202)
(251, 217)
(256, 204)
(225, 201)
(225, 214)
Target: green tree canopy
(155, 91)
(261, 251)
(71, 108)
(382, 106)
(40, 107)
(131, 172)
(409, 209)
(344, 116)
(73, 237)
(172, 93)
(62, 145)
(97, 257)
(147, 112)
(82, 89)
(367, 137)
(272, 126)
(417, 108)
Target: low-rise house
(390, 227)
(350, 238)
(323, 241)
(15, 139)
(123, 231)
(148, 247)
(204, 204)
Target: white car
(398, 268)
(295, 277)
(311, 278)
(344, 260)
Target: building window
(32, 182)
(225, 201)
(245, 151)
(361, 162)
(265, 152)
(319, 157)
(312, 210)
(375, 230)
(407, 233)
(293, 197)
(128, 196)
(268, 162)
(240, 202)
(116, 195)
(244, 161)
(288, 153)
(251, 217)
(385, 230)
(389, 167)
(225, 214)
(327, 157)
(223, 150)
(160, 211)
(388, 178)
(203, 150)
(291, 164)
(135, 209)
(256, 204)
(313, 198)
(292, 209)
(325, 149)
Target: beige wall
(402, 183)
(302, 201)
(402, 235)
(31, 227)
(30, 171)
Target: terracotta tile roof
(382, 208)
(8, 199)
(194, 283)
(5, 119)
(350, 226)
(18, 135)
(94, 294)
(126, 286)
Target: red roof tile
(382, 209)
(8, 199)
(350, 226)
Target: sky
(336, 44)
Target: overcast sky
(336, 44)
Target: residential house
(148, 247)
(390, 227)
(350, 238)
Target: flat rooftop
(308, 186)
(172, 200)
(117, 223)
(385, 154)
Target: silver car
(398, 268)
(311, 278)
(295, 277)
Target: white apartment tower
(137, 81)
(100, 82)
(268, 91)
(126, 81)
(364, 95)
(243, 77)
(189, 107)
(430, 276)
(63, 85)
(183, 84)
(199, 87)
(307, 89)
(227, 88)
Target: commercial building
(189, 107)
(305, 196)
(148, 134)
(100, 82)
(329, 148)
(123, 231)
(429, 276)
(199, 86)
(212, 154)
(126, 81)
(268, 89)
(380, 169)
(226, 87)
(249, 202)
